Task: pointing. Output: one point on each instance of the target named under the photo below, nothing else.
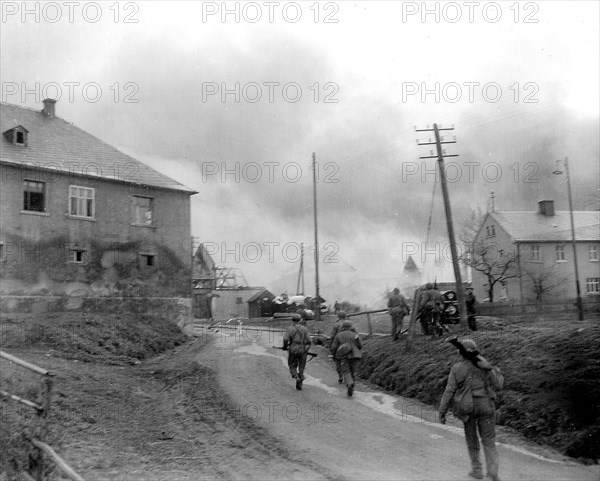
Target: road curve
(371, 436)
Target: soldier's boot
(477, 471)
(299, 384)
(350, 390)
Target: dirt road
(372, 436)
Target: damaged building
(79, 217)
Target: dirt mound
(92, 337)
(551, 369)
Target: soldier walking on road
(347, 347)
(334, 332)
(296, 341)
(472, 386)
(398, 309)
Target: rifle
(472, 356)
(311, 354)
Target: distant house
(259, 305)
(541, 241)
(243, 302)
(77, 213)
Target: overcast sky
(197, 92)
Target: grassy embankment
(551, 369)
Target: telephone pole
(318, 305)
(439, 141)
(301, 273)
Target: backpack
(344, 350)
(463, 398)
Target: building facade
(540, 243)
(74, 211)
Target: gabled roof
(203, 266)
(16, 127)
(260, 294)
(535, 227)
(53, 143)
(410, 265)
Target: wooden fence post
(369, 323)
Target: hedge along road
(371, 436)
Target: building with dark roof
(541, 242)
(74, 209)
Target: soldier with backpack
(296, 341)
(429, 308)
(347, 346)
(472, 386)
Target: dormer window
(17, 135)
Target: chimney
(546, 207)
(48, 109)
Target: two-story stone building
(74, 210)
(541, 244)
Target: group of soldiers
(345, 348)
(473, 373)
(430, 306)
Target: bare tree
(470, 226)
(544, 280)
(496, 265)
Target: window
(81, 201)
(17, 136)
(77, 256)
(493, 230)
(148, 260)
(500, 253)
(238, 300)
(592, 285)
(593, 253)
(34, 196)
(534, 255)
(142, 210)
(560, 253)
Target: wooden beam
(14, 397)
(25, 364)
(60, 462)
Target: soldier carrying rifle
(296, 341)
(472, 386)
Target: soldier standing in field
(471, 311)
(296, 341)
(398, 309)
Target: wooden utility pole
(301, 272)
(318, 306)
(579, 303)
(455, 264)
